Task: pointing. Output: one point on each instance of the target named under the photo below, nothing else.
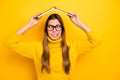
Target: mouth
(54, 35)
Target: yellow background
(103, 63)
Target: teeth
(54, 35)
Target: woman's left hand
(74, 18)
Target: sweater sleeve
(88, 44)
(26, 49)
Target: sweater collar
(54, 43)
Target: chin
(54, 38)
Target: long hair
(45, 58)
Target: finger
(71, 14)
(37, 16)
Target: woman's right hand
(34, 19)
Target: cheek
(60, 32)
(49, 33)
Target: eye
(58, 26)
(50, 26)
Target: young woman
(54, 58)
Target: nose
(54, 29)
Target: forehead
(53, 22)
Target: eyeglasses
(51, 27)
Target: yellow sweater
(33, 50)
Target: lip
(54, 35)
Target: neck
(54, 43)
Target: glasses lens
(58, 27)
(50, 27)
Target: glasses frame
(60, 27)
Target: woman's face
(54, 29)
